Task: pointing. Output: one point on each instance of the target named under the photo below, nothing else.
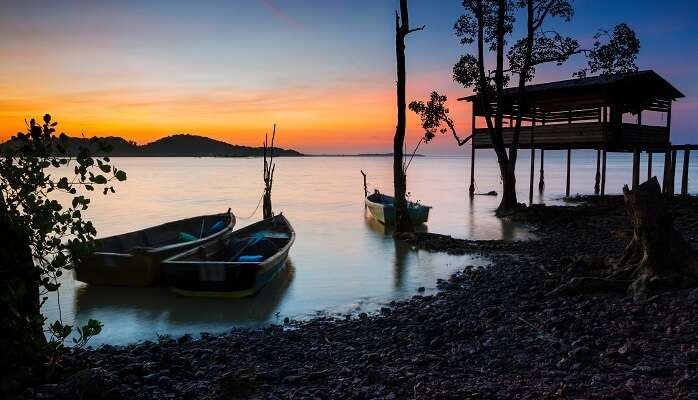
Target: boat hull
(203, 272)
(138, 266)
(384, 211)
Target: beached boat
(238, 264)
(383, 209)
(134, 258)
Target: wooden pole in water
(684, 175)
(471, 190)
(672, 173)
(569, 156)
(541, 182)
(603, 173)
(533, 160)
(533, 174)
(597, 179)
(667, 168)
(636, 167)
(649, 164)
(365, 186)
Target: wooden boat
(134, 258)
(236, 265)
(383, 209)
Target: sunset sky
(323, 70)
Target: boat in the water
(238, 264)
(382, 208)
(135, 258)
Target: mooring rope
(255, 209)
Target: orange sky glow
(308, 119)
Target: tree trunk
(266, 205)
(509, 201)
(402, 216)
(22, 339)
(657, 256)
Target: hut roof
(641, 83)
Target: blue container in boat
(217, 226)
(252, 258)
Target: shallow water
(342, 260)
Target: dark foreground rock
(489, 333)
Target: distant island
(187, 145)
(183, 145)
(358, 155)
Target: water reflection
(402, 250)
(384, 231)
(160, 304)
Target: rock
(91, 383)
(292, 379)
(628, 347)
(580, 354)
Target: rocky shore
(490, 332)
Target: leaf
(99, 179)
(120, 175)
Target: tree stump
(657, 256)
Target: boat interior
(380, 198)
(252, 244)
(166, 234)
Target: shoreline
(488, 333)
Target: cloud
(293, 22)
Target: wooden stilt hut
(595, 113)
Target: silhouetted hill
(174, 146)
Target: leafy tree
(40, 237)
(489, 24)
(402, 29)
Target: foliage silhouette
(41, 238)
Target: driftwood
(657, 257)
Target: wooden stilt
(684, 175)
(667, 168)
(649, 165)
(533, 173)
(569, 157)
(472, 172)
(672, 173)
(636, 167)
(597, 179)
(541, 181)
(603, 173)
(533, 161)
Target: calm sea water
(342, 261)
